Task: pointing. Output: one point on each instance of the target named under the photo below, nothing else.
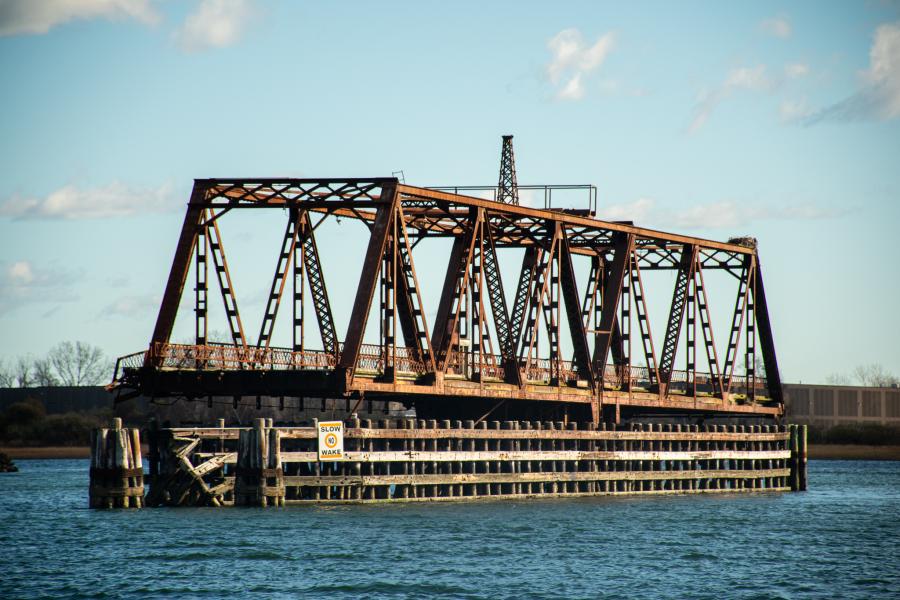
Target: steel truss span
(570, 335)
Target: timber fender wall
(417, 460)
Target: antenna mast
(507, 188)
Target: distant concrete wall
(60, 399)
(184, 413)
(830, 405)
(294, 411)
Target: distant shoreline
(853, 452)
(816, 452)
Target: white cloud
(777, 26)
(572, 60)
(637, 211)
(215, 24)
(23, 283)
(879, 95)
(573, 90)
(24, 17)
(726, 214)
(140, 306)
(20, 273)
(754, 79)
(731, 214)
(749, 78)
(796, 70)
(71, 202)
(715, 215)
(883, 74)
(792, 111)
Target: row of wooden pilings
(256, 473)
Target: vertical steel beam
(750, 344)
(623, 362)
(388, 311)
(201, 289)
(691, 338)
(299, 288)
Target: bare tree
(874, 375)
(22, 372)
(758, 363)
(837, 379)
(43, 373)
(79, 363)
(7, 379)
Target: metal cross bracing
(555, 340)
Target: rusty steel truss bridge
(562, 339)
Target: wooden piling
(259, 476)
(801, 459)
(117, 470)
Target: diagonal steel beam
(497, 297)
(640, 302)
(623, 245)
(456, 281)
(279, 279)
(766, 339)
(315, 278)
(226, 287)
(368, 281)
(178, 273)
(676, 314)
(577, 330)
(737, 322)
(409, 301)
(712, 354)
(542, 288)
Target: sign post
(331, 440)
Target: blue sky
(779, 120)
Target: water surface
(840, 539)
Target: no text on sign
(331, 440)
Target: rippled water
(840, 539)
